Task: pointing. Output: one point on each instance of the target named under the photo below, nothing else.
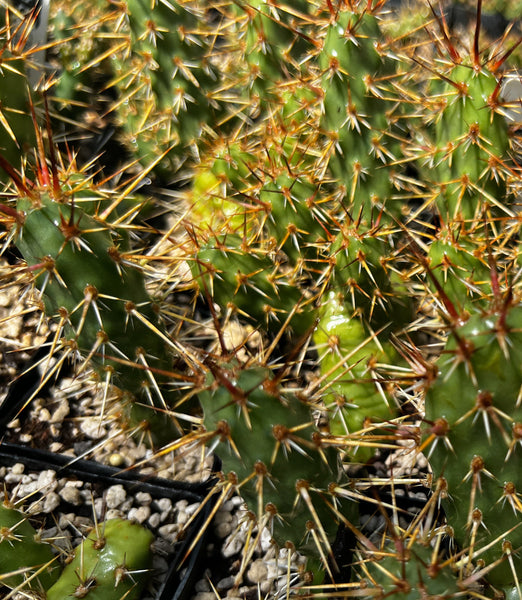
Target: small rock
(169, 532)
(46, 481)
(226, 583)
(116, 459)
(71, 494)
(143, 498)
(140, 514)
(154, 520)
(51, 502)
(93, 428)
(257, 572)
(223, 529)
(165, 504)
(115, 496)
(202, 586)
(233, 546)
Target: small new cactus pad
(31, 561)
(112, 563)
(355, 392)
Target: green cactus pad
(101, 303)
(251, 284)
(268, 441)
(21, 549)
(111, 564)
(474, 417)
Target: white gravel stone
(140, 514)
(60, 413)
(114, 513)
(154, 520)
(51, 502)
(143, 498)
(71, 494)
(115, 496)
(233, 546)
(47, 481)
(164, 504)
(93, 428)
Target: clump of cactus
(358, 213)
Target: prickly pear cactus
(250, 283)
(470, 159)
(287, 473)
(90, 285)
(357, 117)
(474, 416)
(112, 563)
(168, 82)
(351, 359)
(25, 560)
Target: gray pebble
(202, 586)
(169, 532)
(222, 530)
(226, 583)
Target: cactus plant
(90, 284)
(305, 224)
(284, 477)
(16, 126)
(112, 562)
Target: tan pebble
(116, 459)
(257, 571)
